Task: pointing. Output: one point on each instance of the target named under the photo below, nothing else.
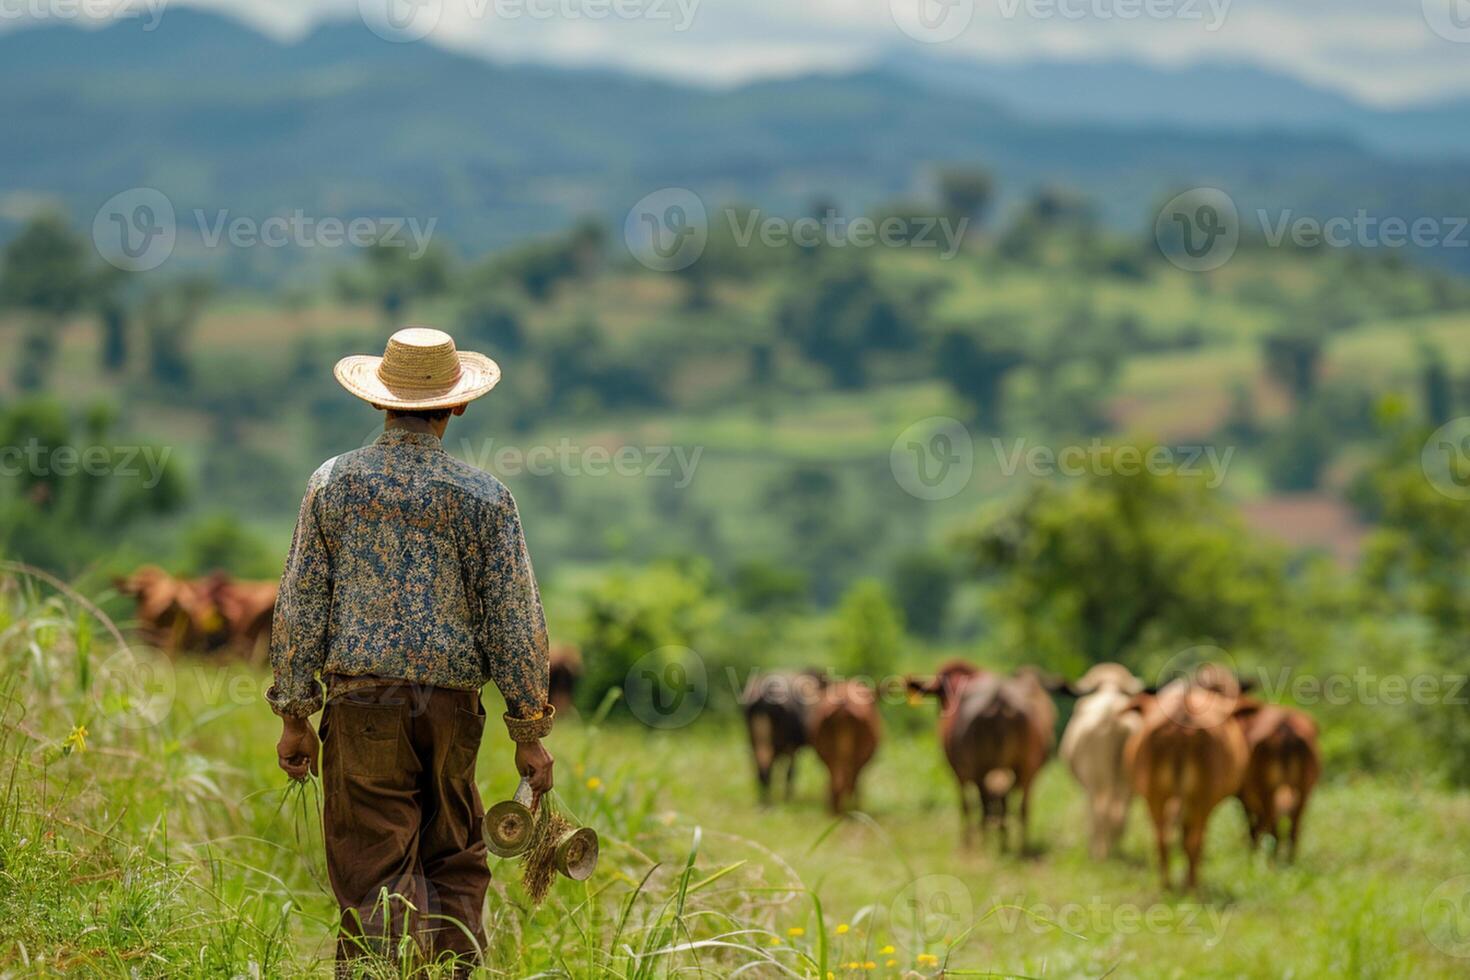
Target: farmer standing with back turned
(408, 587)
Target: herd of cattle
(207, 614)
(1184, 747)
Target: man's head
(437, 419)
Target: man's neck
(411, 424)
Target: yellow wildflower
(76, 741)
(842, 929)
(594, 784)
(796, 931)
(775, 940)
(870, 965)
(928, 959)
(885, 950)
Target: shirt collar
(409, 432)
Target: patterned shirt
(407, 563)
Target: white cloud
(1381, 51)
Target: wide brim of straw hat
(359, 374)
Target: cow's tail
(762, 739)
(998, 782)
(1293, 775)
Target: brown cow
(196, 615)
(1187, 756)
(566, 671)
(844, 728)
(777, 708)
(1284, 766)
(996, 732)
(246, 609)
(173, 614)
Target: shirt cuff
(294, 707)
(530, 729)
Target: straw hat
(420, 369)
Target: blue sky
(1384, 52)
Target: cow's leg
(1297, 813)
(1158, 813)
(1117, 818)
(1194, 845)
(1101, 830)
(967, 830)
(1025, 815)
(987, 810)
(763, 783)
(1002, 821)
(1271, 824)
(790, 776)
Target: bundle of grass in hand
(538, 864)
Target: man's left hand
(299, 748)
(534, 762)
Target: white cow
(1092, 747)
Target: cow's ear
(1246, 683)
(1245, 708)
(1053, 683)
(922, 685)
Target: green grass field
(178, 849)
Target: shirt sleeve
(512, 624)
(300, 625)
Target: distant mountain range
(1206, 97)
(341, 123)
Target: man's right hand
(534, 762)
(298, 750)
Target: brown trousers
(402, 819)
